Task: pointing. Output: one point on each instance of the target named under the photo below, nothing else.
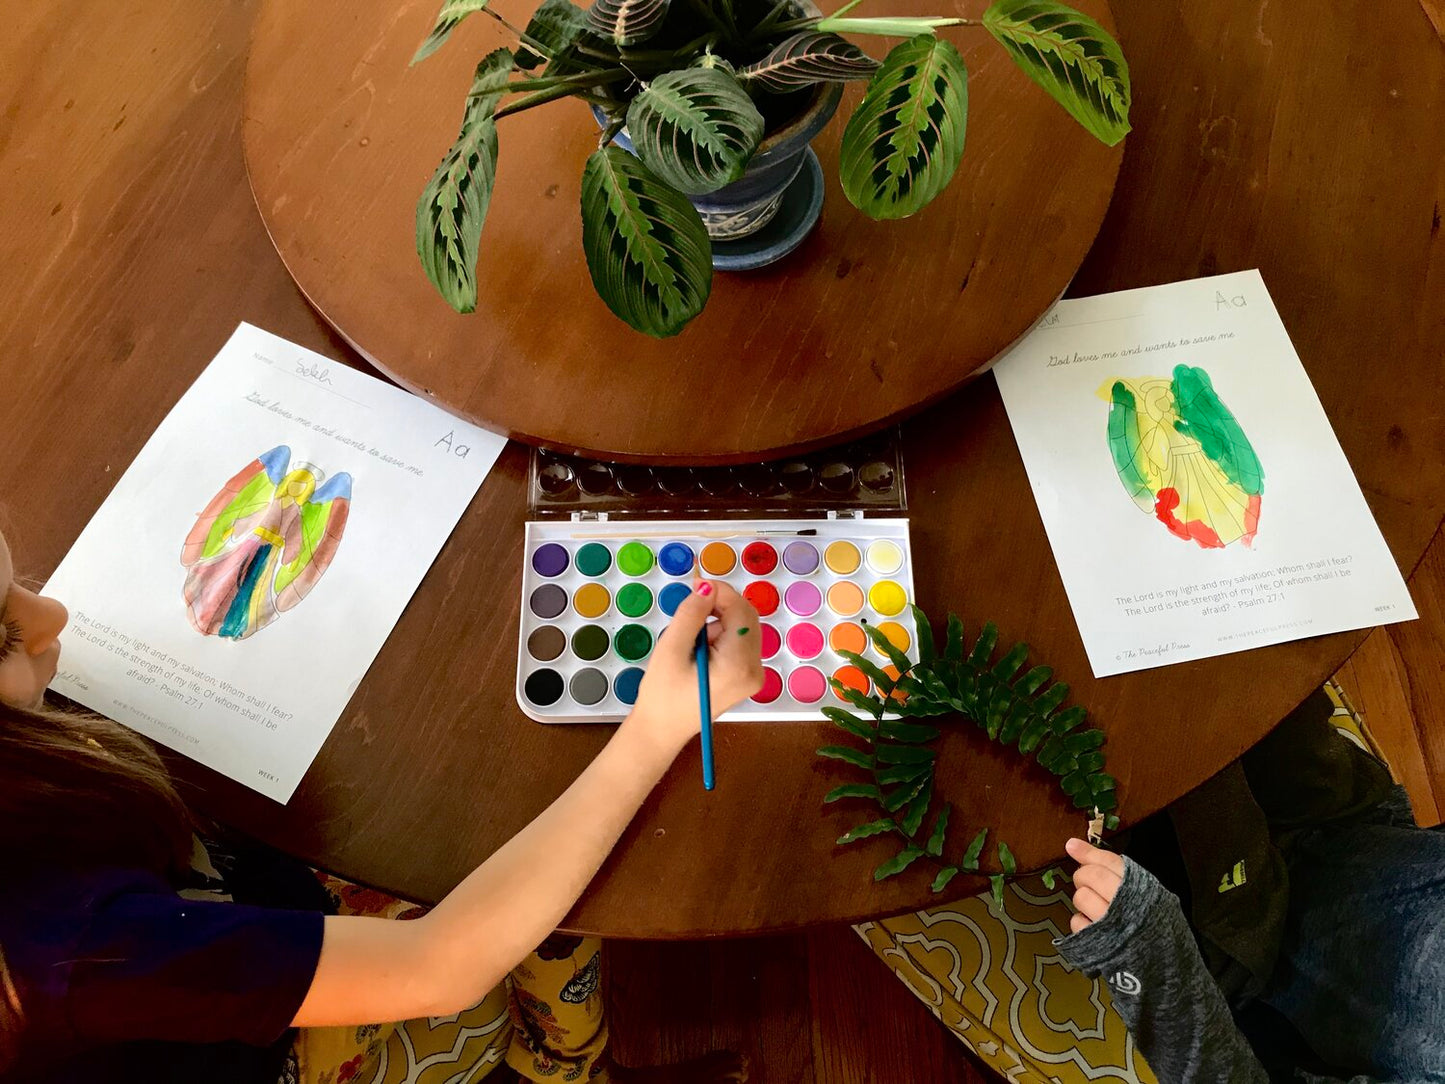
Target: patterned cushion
(996, 981)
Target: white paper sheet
(1219, 575)
(252, 699)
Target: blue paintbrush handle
(704, 707)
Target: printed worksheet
(229, 595)
(1196, 498)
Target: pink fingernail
(704, 588)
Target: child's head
(74, 789)
(30, 628)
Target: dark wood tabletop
(130, 248)
(866, 322)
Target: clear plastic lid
(865, 474)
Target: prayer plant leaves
(695, 128)
(807, 58)
(453, 206)
(905, 139)
(1070, 56)
(556, 24)
(646, 246)
(447, 20)
(626, 22)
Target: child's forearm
(374, 970)
(1145, 951)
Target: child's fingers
(1090, 904)
(692, 613)
(733, 611)
(1078, 922)
(1100, 878)
(1087, 854)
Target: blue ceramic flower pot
(748, 204)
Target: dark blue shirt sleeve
(156, 966)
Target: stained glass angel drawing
(262, 544)
(1183, 457)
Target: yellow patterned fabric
(996, 981)
(545, 1021)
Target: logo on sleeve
(1233, 879)
(1123, 982)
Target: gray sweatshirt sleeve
(1144, 949)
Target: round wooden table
(132, 249)
(868, 321)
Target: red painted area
(759, 558)
(1195, 530)
(1251, 520)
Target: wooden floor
(818, 1008)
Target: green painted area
(255, 496)
(594, 559)
(633, 642)
(634, 559)
(1124, 439)
(634, 599)
(313, 529)
(1203, 416)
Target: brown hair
(79, 790)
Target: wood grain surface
(129, 250)
(866, 322)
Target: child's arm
(1130, 929)
(375, 970)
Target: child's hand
(667, 702)
(1096, 881)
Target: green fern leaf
(898, 863)
(975, 850)
(854, 790)
(863, 831)
(940, 830)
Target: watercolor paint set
(597, 593)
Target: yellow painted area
(1169, 459)
(887, 597)
(268, 535)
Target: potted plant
(702, 89)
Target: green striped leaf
(626, 22)
(926, 652)
(807, 58)
(904, 141)
(556, 24)
(447, 20)
(850, 722)
(945, 875)
(1070, 56)
(453, 206)
(695, 128)
(646, 246)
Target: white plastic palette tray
(588, 631)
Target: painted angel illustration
(262, 544)
(1184, 458)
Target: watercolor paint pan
(596, 595)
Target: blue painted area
(338, 485)
(675, 559)
(627, 683)
(234, 627)
(671, 596)
(276, 461)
